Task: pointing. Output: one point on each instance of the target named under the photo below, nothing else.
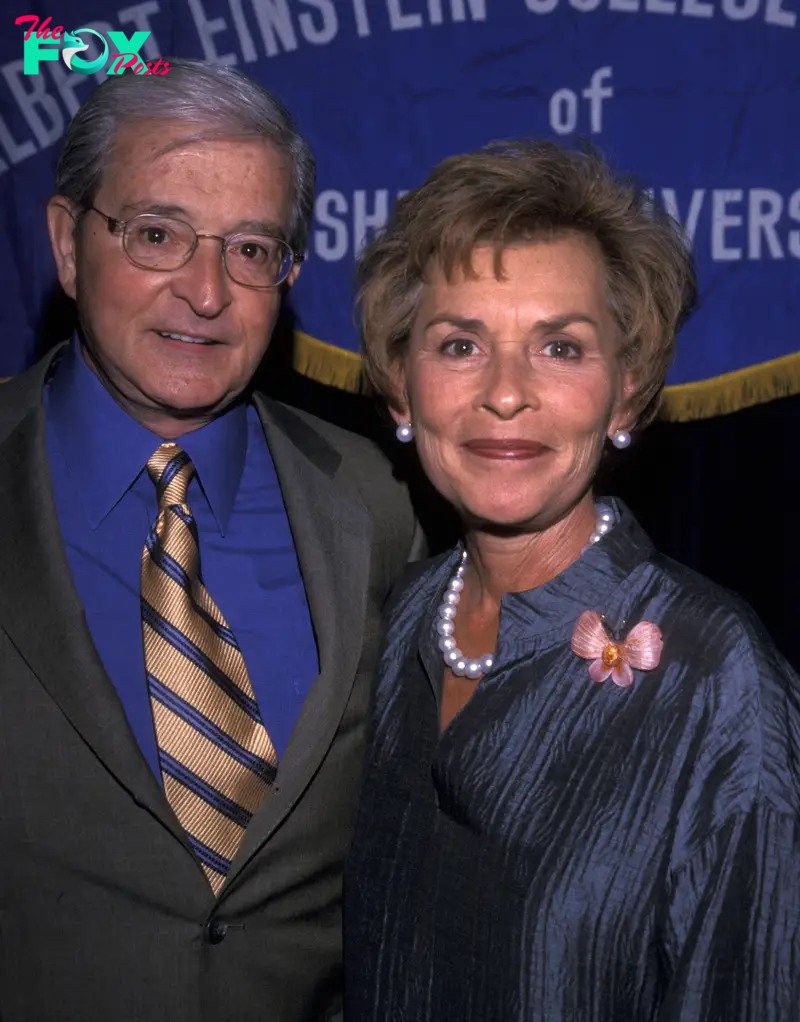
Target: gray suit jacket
(105, 915)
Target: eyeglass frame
(115, 225)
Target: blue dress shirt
(106, 504)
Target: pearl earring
(621, 439)
(404, 432)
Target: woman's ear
(399, 405)
(622, 418)
(62, 227)
(400, 413)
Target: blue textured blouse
(568, 851)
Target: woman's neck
(499, 564)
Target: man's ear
(294, 273)
(62, 221)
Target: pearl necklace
(461, 665)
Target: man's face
(220, 187)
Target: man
(190, 587)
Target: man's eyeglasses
(155, 242)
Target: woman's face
(513, 385)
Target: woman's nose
(510, 385)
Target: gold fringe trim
(684, 402)
(325, 363)
(721, 395)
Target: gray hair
(225, 101)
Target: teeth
(188, 340)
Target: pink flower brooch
(641, 649)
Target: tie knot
(171, 469)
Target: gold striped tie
(217, 760)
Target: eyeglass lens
(161, 243)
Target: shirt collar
(218, 452)
(106, 450)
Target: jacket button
(215, 931)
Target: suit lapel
(42, 613)
(333, 539)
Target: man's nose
(203, 281)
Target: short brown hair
(519, 191)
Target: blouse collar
(537, 618)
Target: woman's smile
(506, 448)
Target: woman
(582, 799)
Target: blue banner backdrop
(699, 99)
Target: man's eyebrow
(259, 227)
(145, 206)
(131, 209)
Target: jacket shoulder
(347, 443)
(21, 395)
(363, 470)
